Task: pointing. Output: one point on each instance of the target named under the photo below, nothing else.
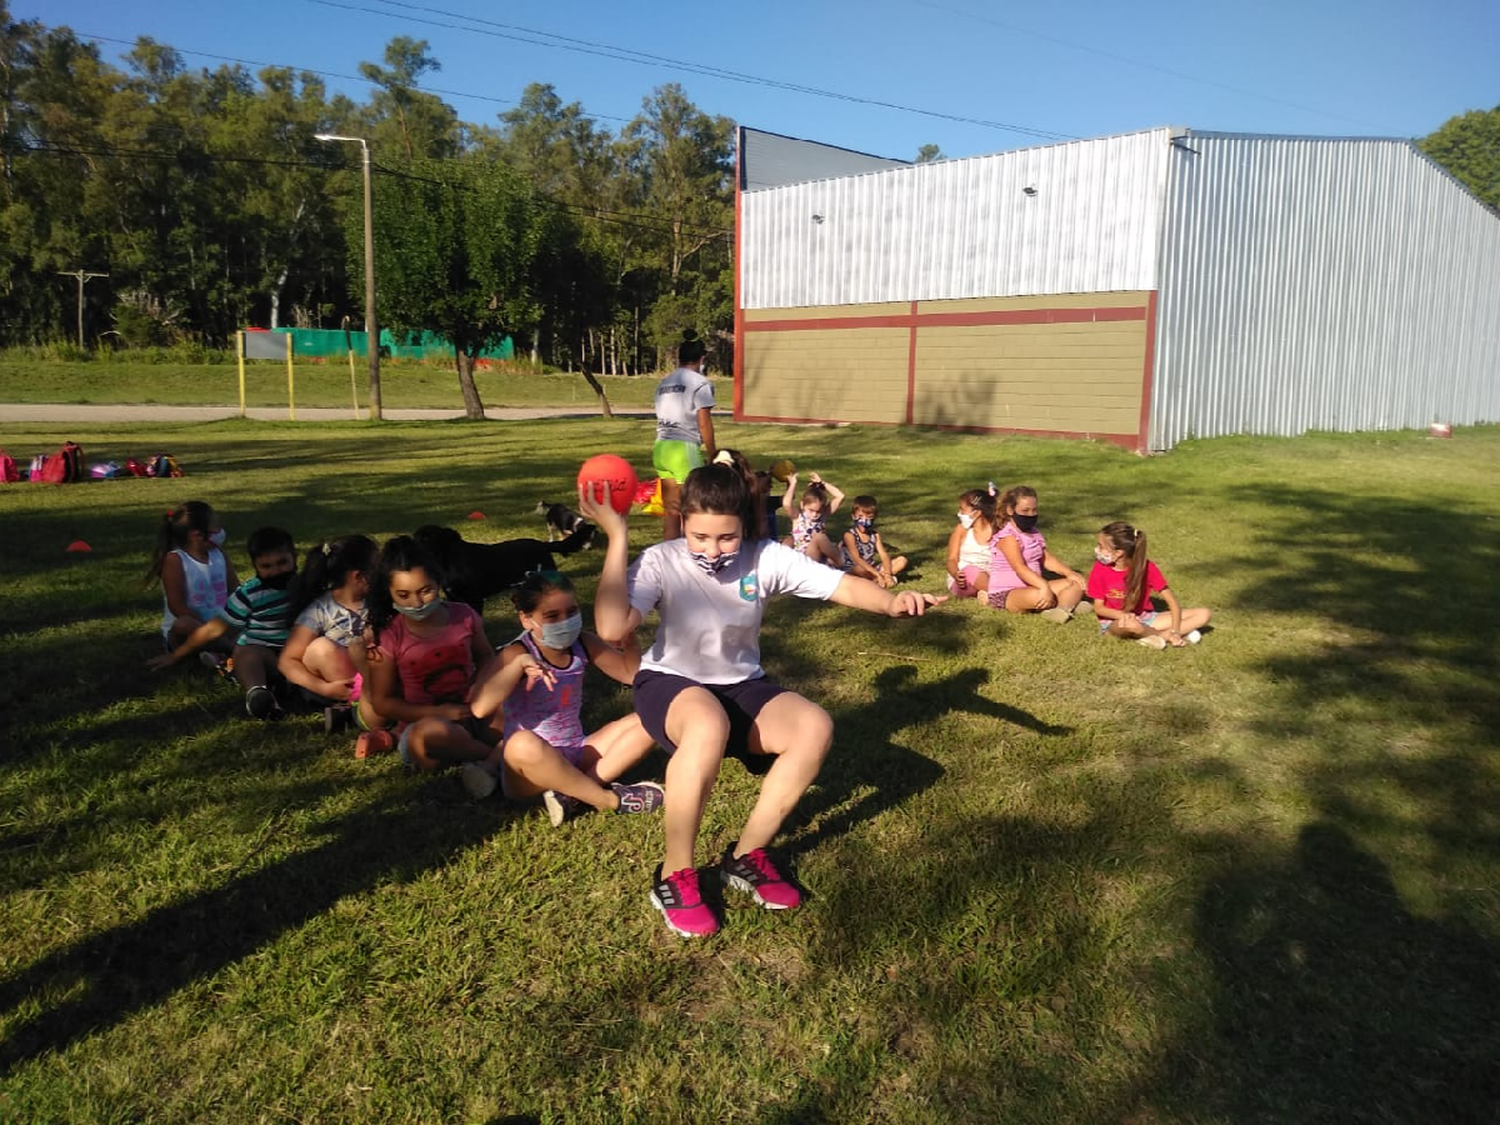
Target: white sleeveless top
(971, 552)
(207, 588)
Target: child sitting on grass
(195, 574)
(539, 680)
(809, 519)
(865, 555)
(427, 658)
(1121, 584)
(261, 610)
(325, 654)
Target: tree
(1469, 146)
(928, 153)
(456, 242)
(426, 126)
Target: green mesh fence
(330, 343)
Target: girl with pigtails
(325, 653)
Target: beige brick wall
(1071, 376)
(838, 375)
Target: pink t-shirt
(1033, 546)
(435, 669)
(1107, 585)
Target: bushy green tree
(1469, 146)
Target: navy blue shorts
(654, 692)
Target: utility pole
(82, 276)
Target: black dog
(562, 520)
(472, 572)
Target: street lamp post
(372, 332)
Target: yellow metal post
(291, 382)
(242, 374)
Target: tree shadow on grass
(107, 977)
(1332, 1001)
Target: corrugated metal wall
(962, 228)
(1321, 284)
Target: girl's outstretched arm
(790, 504)
(613, 616)
(860, 594)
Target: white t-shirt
(679, 397)
(327, 618)
(709, 627)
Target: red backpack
(65, 466)
(9, 473)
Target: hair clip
(722, 458)
(991, 488)
(327, 550)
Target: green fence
(330, 343)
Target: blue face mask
(420, 612)
(713, 566)
(562, 634)
(863, 522)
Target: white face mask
(218, 537)
(562, 634)
(1104, 557)
(966, 518)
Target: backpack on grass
(63, 467)
(9, 472)
(163, 465)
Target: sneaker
(337, 719)
(1194, 637)
(478, 781)
(561, 807)
(644, 796)
(1153, 640)
(681, 905)
(260, 702)
(1057, 615)
(373, 742)
(757, 873)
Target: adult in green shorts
(684, 428)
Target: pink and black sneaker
(759, 874)
(681, 905)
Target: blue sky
(1376, 68)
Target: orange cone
(79, 545)
(476, 514)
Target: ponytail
(172, 532)
(1132, 542)
(328, 566)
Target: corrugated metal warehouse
(1142, 289)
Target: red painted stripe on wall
(916, 319)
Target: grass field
(1054, 878)
(404, 385)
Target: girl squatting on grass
(538, 678)
(701, 691)
(1121, 584)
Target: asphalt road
(106, 413)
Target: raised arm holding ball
(701, 692)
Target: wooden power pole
(82, 276)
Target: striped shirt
(262, 614)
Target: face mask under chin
(713, 565)
(419, 612)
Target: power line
(981, 18)
(325, 73)
(518, 34)
(600, 214)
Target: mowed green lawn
(404, 385)
(1054, 878)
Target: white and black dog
(562, 521)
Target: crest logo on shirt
(749, 587)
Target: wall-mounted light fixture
(1029, 190)
(818, 219)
